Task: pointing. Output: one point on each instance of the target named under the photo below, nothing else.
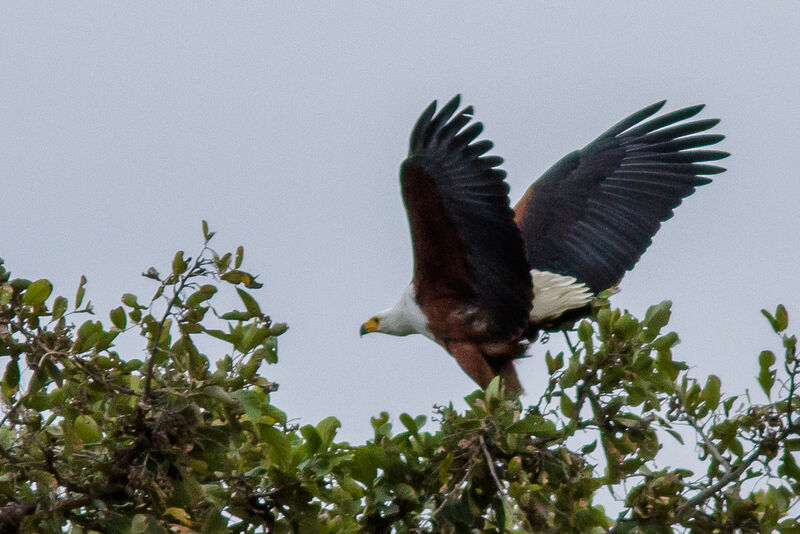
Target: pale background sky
(122, 125)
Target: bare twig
(569, 342)
(792, 384)
(449, 497)
(731, 476)
(184, 280)
(101, 379)
(709, 444)
(490, 463)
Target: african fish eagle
(488, 279)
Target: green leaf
(219, 393)
(604, 316)
(313, 440)
(88, 335)
(657, 316)
(235, 315)
(206, 234)
(766, 375)
(535, 425)
(554, 363)
(214, 522)
(252, 336)
(789, 467)
(38, 401)
(667, 341)
(351, 486)
(585, 332)
(60, 305)
(145, 524)
(710, 393)
(675, 435)
(363, 465)
(249, 303)
(327, 429)
(37, 292)
(219, 334)
(130, 301)
(178, 513)
(19, 284)
(409, 423)
(6, 292)
(201, 295)
(249, 369)
(405, 492)
(271, 348)
(567, 407)
(240, 277)
(781, 318)
(275, 413)
(86, 428)
(728, 404)
(493, 390)
(239, 257)
(118, 318)
(420, 421)
(772, 320)
(278, 329)
(514, 467)
(11, 379)
(179, 265)
(250, 401)
(626, 327)
(80, 292)
(789, 526)
(279, 448)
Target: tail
(508, 376)
(555, 294)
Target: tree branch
(708, 443)
(184, 279)
(731, 476)
(490, 463)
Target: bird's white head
(402, 319)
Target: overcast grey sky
(283, 125)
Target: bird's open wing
(466, 244)
(593, 213)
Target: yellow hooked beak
(369, 326)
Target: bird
(487, 279)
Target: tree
(92, 440)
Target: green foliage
(166, 438)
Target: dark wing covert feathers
(445, 160)
(593, 214)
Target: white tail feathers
(555, 294)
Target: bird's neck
(406, 317)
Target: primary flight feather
(487, 279)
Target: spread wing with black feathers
(466, 243)
(594, 213)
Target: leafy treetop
(95, 441)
